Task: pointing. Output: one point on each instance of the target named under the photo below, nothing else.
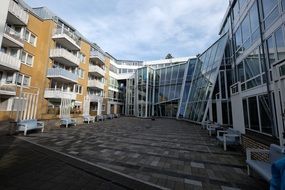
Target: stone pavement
(24, 166)
(169, 153)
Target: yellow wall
(43, 31)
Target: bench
(205, 124)
(229, 137)
(100, 118)
(211, 128)
(110, 116)
(26, 125)
(261, 167)
(67, 121)
(88, 118)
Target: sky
(143, 29)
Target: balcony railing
(70, 36)
(8, 89)
(62, 73)
(96, 97)
(14, 35)
(53, 93)
(12, 63)
(96, 83)
(97, 69)
(64, 56)
(18, 12)
(97, 54)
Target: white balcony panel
(12, 38)
(98, 71)
(95, 98)
(97, 55)
(62, 75)
(51, 93)
(8, 89)
(65, 57)
(113, 89)
(8, 62)
(66, 39)
(96, 84)
(17, 15)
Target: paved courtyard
(168, 153)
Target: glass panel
(265, 115)
(253, 114)
(268, 5)
(279, 39)
(271, 49)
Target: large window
(270, 11)
(276, 46)
(257, 115)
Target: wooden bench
(263, 168)
(26, 125)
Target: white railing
(71, 36)
(19, 12)
(10, 61)
(60, 52)
(97, 69)
(235, 88)
(95, 98)
(96, 83)
(14, 34)
(58, 72)
(8, 89)
(59, 93)
(97, 54)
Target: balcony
(95, 98)
(96, 55)
(98, 71)
(65, 57)
(52, 93)
(66, 38)
(8, 89)
(8, 62)
(62, 75)
(12, 38)
(96, 84)
(17, 15)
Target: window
(80, 73)
(279, 39)
(254, 21)
(270, 11)
(27, 58)
(271, 49)
(23, 78)
(30, 38)
(265, 116)
(253, 113)
(9, 78)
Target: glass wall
(204, 79)
(168, 88)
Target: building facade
(238, 81)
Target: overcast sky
(143, 29)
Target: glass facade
(204, 80)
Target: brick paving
(168, 153)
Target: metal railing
(58, 72)
(9, 61)
(71, 35)
(14, 34)
(19, 12)
(95, 68)
(8, 87)
(96, 83)
(97, 54)
(60, 52)
(58, 93)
